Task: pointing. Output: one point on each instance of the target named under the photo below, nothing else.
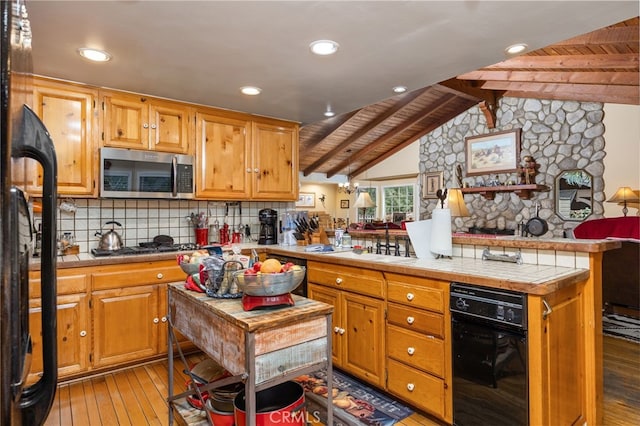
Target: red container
(282, 404)
(220, 418)
(202, 236)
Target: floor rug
(354, 404)
(621, 326)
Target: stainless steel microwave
(128, 173)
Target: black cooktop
(143, 248)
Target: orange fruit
(270, 266)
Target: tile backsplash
(142, 220)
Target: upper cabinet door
(126, 122)
(140, 122)
(275, 161)
(69, 112)
(222, 157)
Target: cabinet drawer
(68, 282)
(423, 322)
(137, 274)
(418, 350)
(418, 292)
(363, 281)
(417, 388)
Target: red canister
(282, 404)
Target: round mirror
(574, 195)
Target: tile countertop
(529, 278)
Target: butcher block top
(258, 319)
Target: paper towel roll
(420, 235)
(441, 242)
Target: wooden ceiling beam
(594, 61)
(335, 123)
(402, 103)
(629, 95)
(467, 90)
(426, 112)
(411, 139)
(578, 77)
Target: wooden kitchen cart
(262, 347)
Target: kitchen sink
(371, 257)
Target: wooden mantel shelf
(489, 192)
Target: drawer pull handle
(156, 320)
(160, 275)
(338, 281)
(410, 387)
(410, 296)
(410, 320)
(411, 350)
(83, 333)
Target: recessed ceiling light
(250, 90)
(514, 49)
(95, 55)
(400, 89)
(329, 113)
(324, 47)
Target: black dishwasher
(301, 290)
(489, 350)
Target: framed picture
(431, 182)
(306, 199)
(344, 204)
(497, 152)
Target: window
(398, 201)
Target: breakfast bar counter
(261, 347)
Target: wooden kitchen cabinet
(129, 311)
(70, 114)
(418, 343)
(73, 323)
(558, 369)
(239, 158)
(145, 123)
(357, 296)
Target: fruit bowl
(265, 284)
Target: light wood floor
(137, 396)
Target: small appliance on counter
(268, 219)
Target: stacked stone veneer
(560, 135)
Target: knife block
(319, 237)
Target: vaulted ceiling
(601, 66)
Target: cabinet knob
(411, 350)
(83, 333)
(248, 169)
(156, 320)
(153, 126)
(342, 330)
(256, 170)
(160, 275)
(410, 296)
(336, 329)
(163, 319)
(410, 387)
(410, 320)
(145, 125)
(338, 281)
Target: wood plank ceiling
(601, 66)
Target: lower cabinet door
(73, 335)
(126, 324)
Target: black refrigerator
(24, 141)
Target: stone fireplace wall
(560, 135)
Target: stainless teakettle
(109, 240)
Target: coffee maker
(268, 226)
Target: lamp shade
(456, 203)
(624, 193)
(364, 201)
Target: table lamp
(624, 195)
(364, 202)
(456, 203)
